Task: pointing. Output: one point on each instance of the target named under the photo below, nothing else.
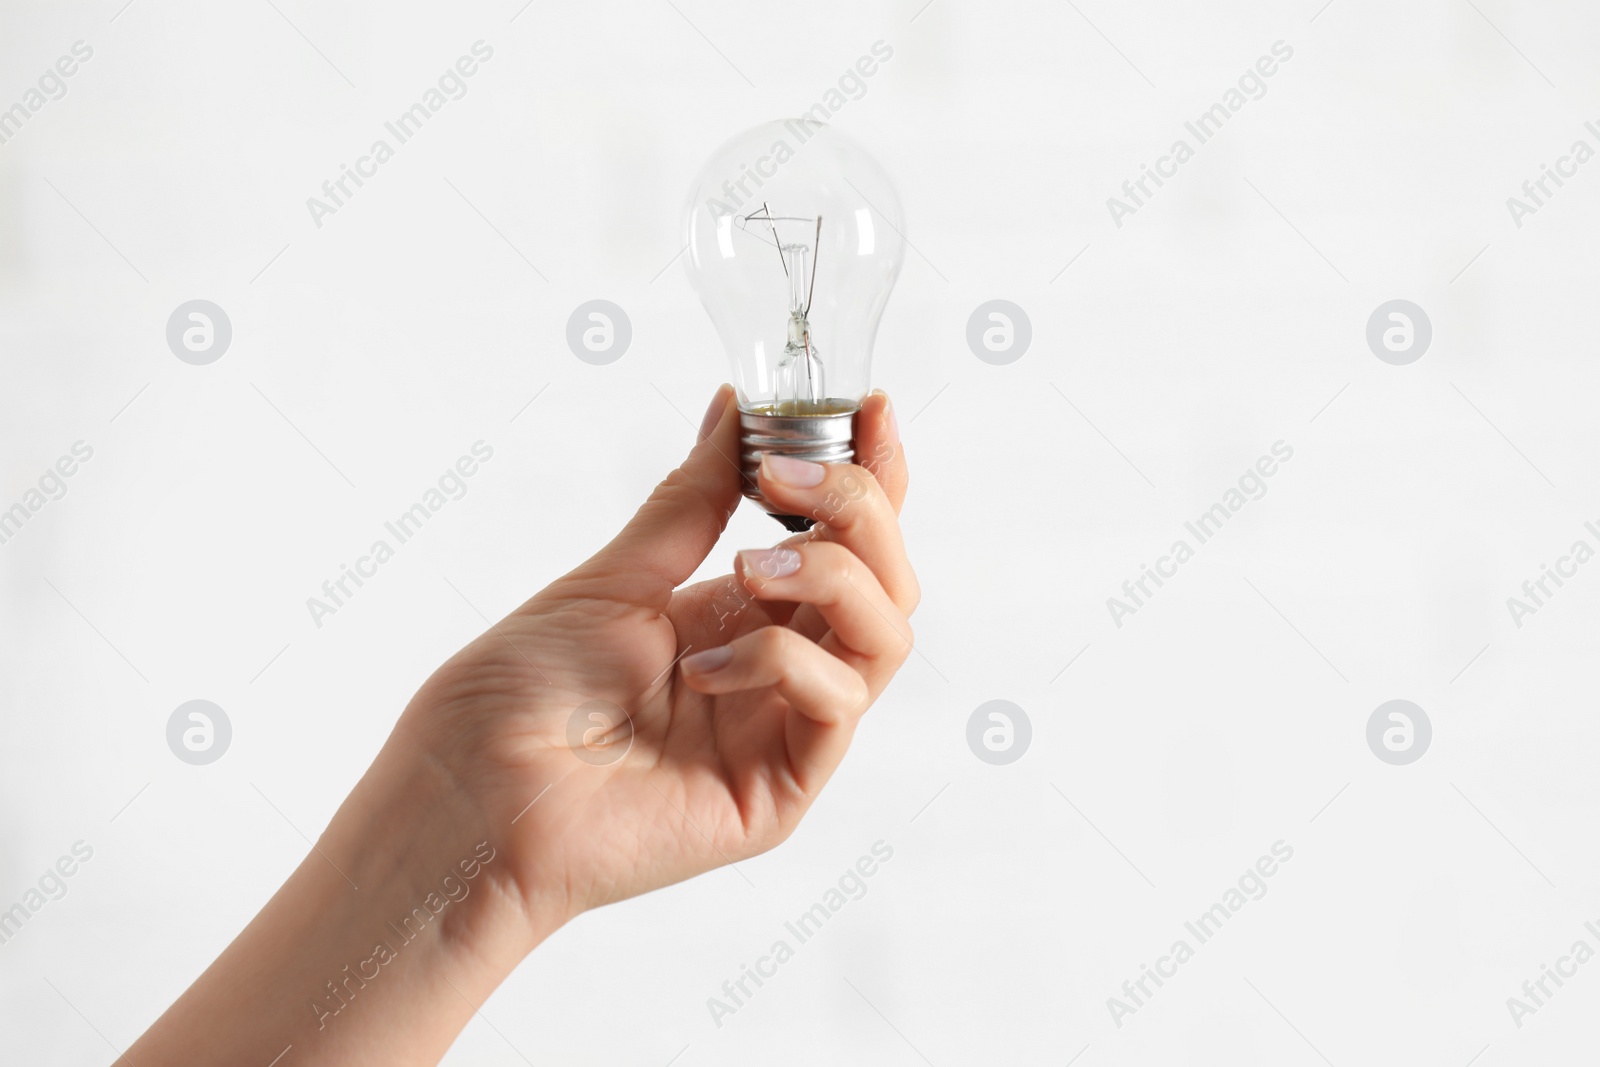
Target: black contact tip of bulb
(794, 523)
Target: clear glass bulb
(794, 236)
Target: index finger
(878, 452)
(878, 448)
(852, 509)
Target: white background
(1222, 317)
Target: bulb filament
(801, 387)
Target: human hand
(660, 732)
(492, 815)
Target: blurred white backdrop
(1227, 313)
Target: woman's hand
(659, 732)
(612, 735)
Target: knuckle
(862, 695)
(837, 565)
(676, 480)
(823, 554)
(773, 642)
(681, 487)
(850, 494)
(884, 459)
(855, 472)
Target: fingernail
(713, 415)
(769, 562)
(892, 422)
(795, 473)
(710, 660)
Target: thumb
(679, 525)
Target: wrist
(389, 935)
(434, 858)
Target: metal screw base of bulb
(828, 438)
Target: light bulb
(794, 236)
